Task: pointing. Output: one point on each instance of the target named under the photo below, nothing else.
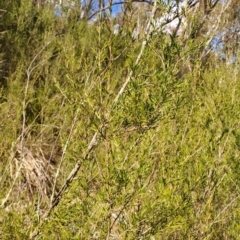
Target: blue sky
(116, 8)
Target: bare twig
(144, 43)
(215, 27)
(63, 155)
(114, 4)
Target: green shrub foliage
(164, 163)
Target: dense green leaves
(165, 163)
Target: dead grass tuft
(34, 166)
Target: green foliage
(166, 162)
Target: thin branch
(63, 156)
(144, 43)
(215, 27)
(116, 3)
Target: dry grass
(32, 170)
